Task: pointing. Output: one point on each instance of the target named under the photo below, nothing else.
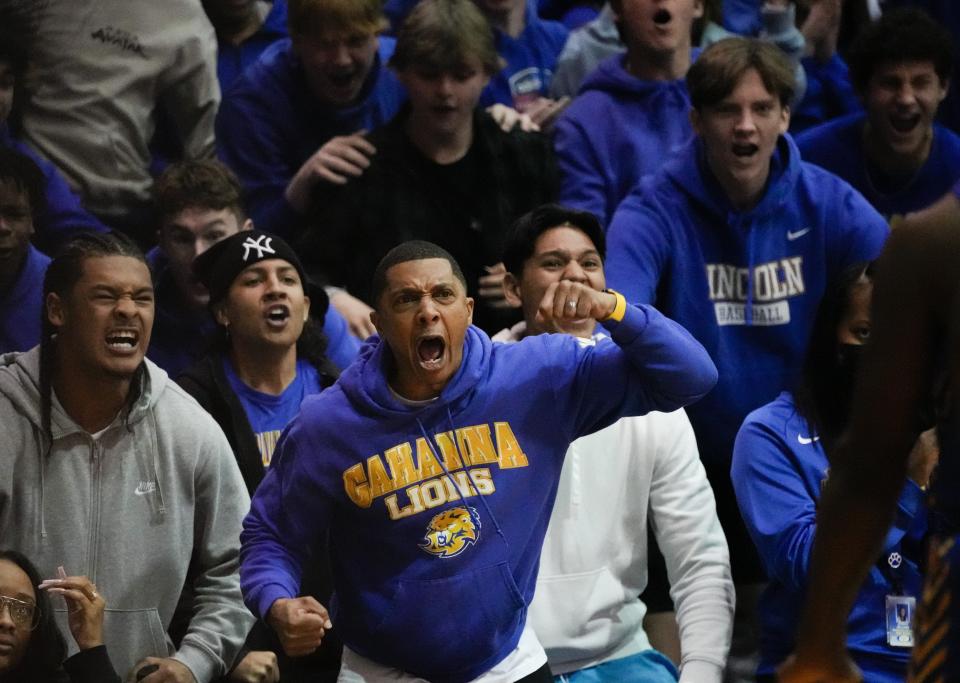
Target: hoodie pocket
(579, 613)
(441, 627)
(130, 636)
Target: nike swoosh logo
(807, 441)
(144, 487)
(797, 235)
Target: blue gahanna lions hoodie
(746, 284)
(437, 513)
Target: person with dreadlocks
(109, 468)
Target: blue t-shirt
(838, 147)
(531, 60)
(269, 415)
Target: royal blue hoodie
(746, 285)
(21, 306)
(425, 580)
(233, 59)
(63, 216)
(779, 468)
(644, 123)
(531, 60)
(838, 147)
(269, 124)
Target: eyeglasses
(23, 614)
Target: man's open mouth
(123, 340)
(662, 17)
(745, 149)
(277, 315)
(342, 79)
(430, 351)
(904, 124)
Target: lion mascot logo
(451, 531)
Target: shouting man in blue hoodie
(737, 238)
(433, 463)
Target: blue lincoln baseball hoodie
(437, 512)
(746, 284)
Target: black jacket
(354, 225)
(207, 382)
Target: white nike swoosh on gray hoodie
(142, 510)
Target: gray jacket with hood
(142, 510)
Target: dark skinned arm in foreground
(915, 297)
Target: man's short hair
(445, 35)
(526, 230)
(21, 171)
(905, 34)
(720, 67)
(199, 183)
(414, 250)
(312, 18)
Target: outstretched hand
(338, 161)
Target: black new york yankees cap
(219, 265)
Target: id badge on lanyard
(900, 607)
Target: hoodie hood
(20, 383)
(612, 77)
(365, 381)
(690, 175)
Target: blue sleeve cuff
(269, 594)
(631, 326)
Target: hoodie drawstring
(44, 452)
(443, 465)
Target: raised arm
(655, 364)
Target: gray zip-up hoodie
(142, 510)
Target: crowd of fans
(196, 203)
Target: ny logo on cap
(261, 244)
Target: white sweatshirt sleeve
(684, 519)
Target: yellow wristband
(619, 310)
